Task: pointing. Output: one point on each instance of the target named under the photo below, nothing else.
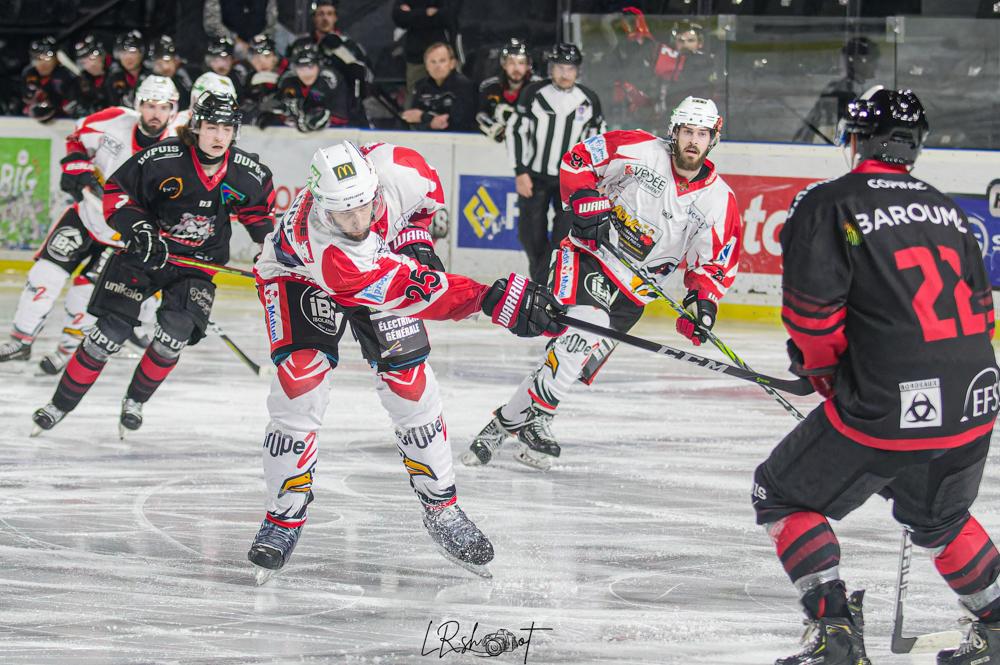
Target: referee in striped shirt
(552, 116)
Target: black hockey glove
(312, 120)
(702, 310)
(524, 307)
(144, 242)
(423, 254)
(822, 379)
(591, 217)
(78, 174)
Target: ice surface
(638, 547)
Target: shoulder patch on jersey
(726, 251)
(165, 150)
(376, 291)
(253, 168)
(230, 193)
(597, 147)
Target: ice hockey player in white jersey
(656, 201)
(353, 250)
(100, 143)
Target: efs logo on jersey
(192, 230)
(982, 397)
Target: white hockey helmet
(697, 112)
(157, 89)
(344, 186)
(212, 82)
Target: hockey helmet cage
(163, 49)
(88, 46)
(220, 47)
(212, 82)
(697, 112)
(156, 89)
(514, 47)
(889, 125)
(43, 48)
(262, 45)
(341, 178)
(217, 108)
(564, 53)
(130, 41)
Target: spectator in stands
(167, 63)
(313, 96)
(240, 20)
(260, 103)
(445, 99)
(128, 70)
(342, 54)
(861, 56)
(220, 58)
(498, 95)
(686, 70)
(92, 59)
(426, 22)
(48, 88)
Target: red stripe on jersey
(289, 524)
(791, 528)
(903, 445)
(875, 166)
(962, 549)
(210, 182)
(801, 302)
(790, 316)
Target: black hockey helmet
(262, 45)
(316, 4)
(220, 47)
(216, 108)
(564, 53)
(130, 41)
(890, 125)
(87, 46)
(44, 47)
(306, 54)
(513, 48)
(163, 49)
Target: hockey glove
(701, 312)
(144, 242)
(312, 120)
(524, 307)
(424, 255)
(78, 174)
(591, 217)
(821, 379)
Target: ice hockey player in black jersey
(888, 306)
(498, 94)
(174, 199)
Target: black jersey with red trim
(166, 185)
(884, 280)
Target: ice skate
(834, 640)
(271, 549)
(459, 539)
(131, 417)
(15, 349)
(486, 443)
(46, 418)
(538, 446)
(54, 363)
(981, 646)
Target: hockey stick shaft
(195, 263)
(793, 386)
(254, 367)
(712, 337)
(928, 642)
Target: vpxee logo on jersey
(489, 212)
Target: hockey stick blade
(927, 643)
(792, 386)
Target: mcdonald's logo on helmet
(344, 171)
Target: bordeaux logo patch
(344, 171)
(171, 187)
(920, 404)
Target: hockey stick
(793, 386)
(719, 344)
(928, 642)
(188, 262)
(254, 367)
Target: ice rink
(639, 546)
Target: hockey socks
(809, 552)
(81, 372)
(151, 372)
(970, 564)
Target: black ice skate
(980, 647)
(131, 417)
(46, 418)
(15, 349)
(272, 548)
(834, 640)
(459, 539)
(538, 445)
(486, 443)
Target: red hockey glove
(822, 379)
(591, 217)
(702, 310)
(524, 307)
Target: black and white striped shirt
(548, 122)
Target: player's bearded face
(213, 139)
(354, 223)
(516, 68)
(154, 116)
(692, 147)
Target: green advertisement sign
(24, 192)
